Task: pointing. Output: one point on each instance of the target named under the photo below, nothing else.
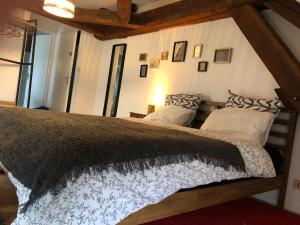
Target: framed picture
(198, 51)
(144, 71)
(202, 66)
(223, 55)
(179, 51)
(154, 63)
(143, 56)
(164, 56)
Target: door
(40, 69)
(62, 76)
(114, 80)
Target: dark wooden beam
(181, 13)
(124, 10)
(284, 99)
(102, 17)
(185, 9)
(148, 29)
(88, 16)
(288, 9)
(272, 50)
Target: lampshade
(61, 8)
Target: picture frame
(223, 55)
(202, 66)
(144, 71)
(164, 55)
(154, 63)
(179, 51)
(143, 56)
(198, 51)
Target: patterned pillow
(192, 101)
(262, 105)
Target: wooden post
(274, 53)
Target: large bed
(159, 191)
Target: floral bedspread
(108, 198)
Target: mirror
(114, 80)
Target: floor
(240, 212)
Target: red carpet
(241, 212)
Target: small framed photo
(223, 55)
(143, 56)
(154, 63)
(198, 51)
(144, 71)
(203, 66)
(179, 51)
(164, 56)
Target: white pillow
(256, 125)
(173, 114)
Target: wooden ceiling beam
(124, 10)
(35, 6)
(148, 29)
(288, 9)
(102, 17)
(181, 13)
(89, 16)
(187, 8)
(274, 53)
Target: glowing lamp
(61, 8)
(159, 95)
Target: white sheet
(107, 198)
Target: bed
(189, 197)
(208, 195)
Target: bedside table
(137, 115)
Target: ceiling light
(61, 8)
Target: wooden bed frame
(208, 195)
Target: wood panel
(187, 201)
(274, 53)
(5, 104)
(8, 199)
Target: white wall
(246, 75)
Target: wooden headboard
(281, 136)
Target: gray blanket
(45, 150)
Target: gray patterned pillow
(188, 101)
(262, 105)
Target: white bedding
(108, 198)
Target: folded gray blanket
(44, 150)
